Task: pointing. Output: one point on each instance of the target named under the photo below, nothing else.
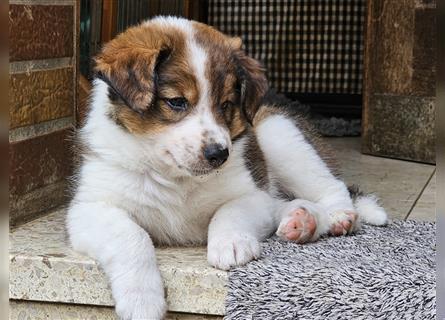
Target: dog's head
(183, 87)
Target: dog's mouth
(194, 171)
(200, 172)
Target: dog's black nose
(216, 154)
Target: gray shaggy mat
(379, 273)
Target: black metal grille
(131, 12)
(90, 33)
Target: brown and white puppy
(179, 151)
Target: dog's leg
(125, 252)
(237, 228)
(300, 170)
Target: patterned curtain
(307, 46)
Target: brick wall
(42, 99)
(400, 79)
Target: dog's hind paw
(343, 223)
(300, 222)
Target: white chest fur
(171, 210)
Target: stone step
(43, 310)
(44, 268)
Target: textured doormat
(379, 273)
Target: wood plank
(109, 20)
(399, 80)
(40, 31)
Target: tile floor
(406, 189)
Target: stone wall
(42, 99)
(400, 79)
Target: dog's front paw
(140, 297)
(234, 250)
(343, 223)
(141, 305)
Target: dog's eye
(177, 104)
(226, 105)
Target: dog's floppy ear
(131, 72)
(252, 82)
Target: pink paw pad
(344, 226)
(300, 227)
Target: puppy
(179, 150)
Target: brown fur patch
(233, 77)
(148, 63)
(236, 123)
(253, 83)
(144, 66)
(264, 112)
